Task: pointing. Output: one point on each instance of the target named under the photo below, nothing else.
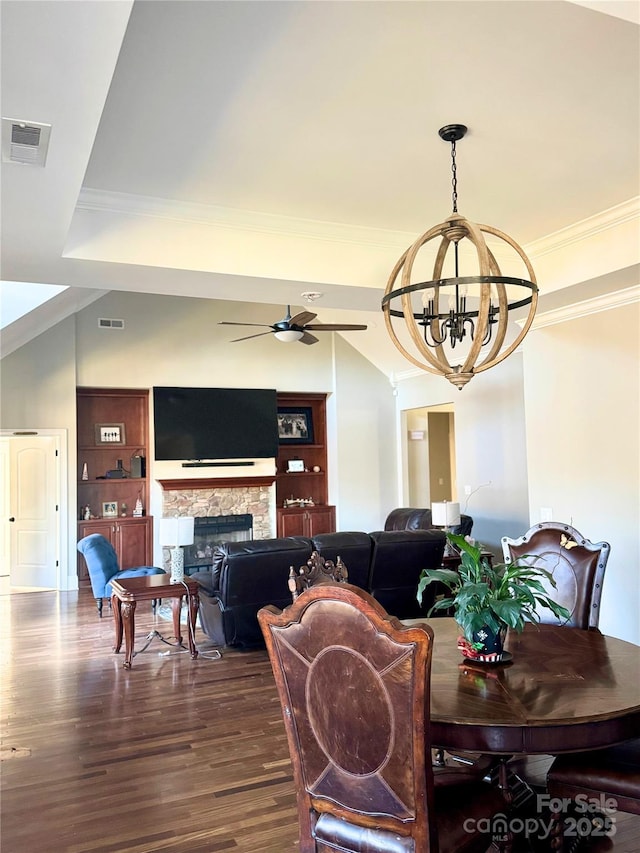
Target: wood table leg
(194, 603)
(176, 607)
(128, 619)
(117, 620)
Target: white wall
(37, 387)
(490, 445)
(172, 340)
(363, 482)
(582, 383)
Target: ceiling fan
(295, 328)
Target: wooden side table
(126, 593)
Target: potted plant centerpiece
(486, 600)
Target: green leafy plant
(507, 594)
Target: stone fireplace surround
(200, 497)
(209, 497)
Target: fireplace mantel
(217, 483)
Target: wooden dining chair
(611, 774)
(577, 566)
(354, 685)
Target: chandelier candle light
(174, 533)
(447, 309)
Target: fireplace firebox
(211, 531)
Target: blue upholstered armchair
(102, 563)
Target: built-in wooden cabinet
(306, 521)
(306, 484)
(113, 437)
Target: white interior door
(31, 509)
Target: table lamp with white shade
(174, 533)
(446, 514)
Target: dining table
(560, 690)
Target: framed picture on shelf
(295, 425)
(295, 465)
(110, 509)
(110, 434)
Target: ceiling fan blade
(259, 335)
(336, 327)
(308, 339)
(231, 323)
(302, 318)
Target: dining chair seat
(611, 774)
(614, 771)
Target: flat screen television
(214, 423)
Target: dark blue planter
(492, 642)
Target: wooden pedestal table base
(126, 593)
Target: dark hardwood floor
(175, 755)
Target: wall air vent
(25, 142)
(106, 323)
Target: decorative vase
(486, 646)
(177, 565)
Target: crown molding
(268, 223)
(617, 299)
(240, 220)
(585, 229)
(411, 373)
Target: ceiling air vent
(25, 142)
(106, 323)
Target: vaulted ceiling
(255, 151)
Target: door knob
(12, 518)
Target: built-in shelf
(309, 520)
(131, 536)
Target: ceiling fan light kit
(468, 310)
(297, 328)
(289, 335)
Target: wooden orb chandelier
(470, 312)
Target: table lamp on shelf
(174, 533)
(446, 514)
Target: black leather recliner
(414, 518)
(397, 559)
(354, 549)
(246, 576)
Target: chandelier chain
(454, 179)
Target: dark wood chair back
(361, 775)
(317, 570)
(354, 687)
(577, 566)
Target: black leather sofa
(246, 576)
(414, 518)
